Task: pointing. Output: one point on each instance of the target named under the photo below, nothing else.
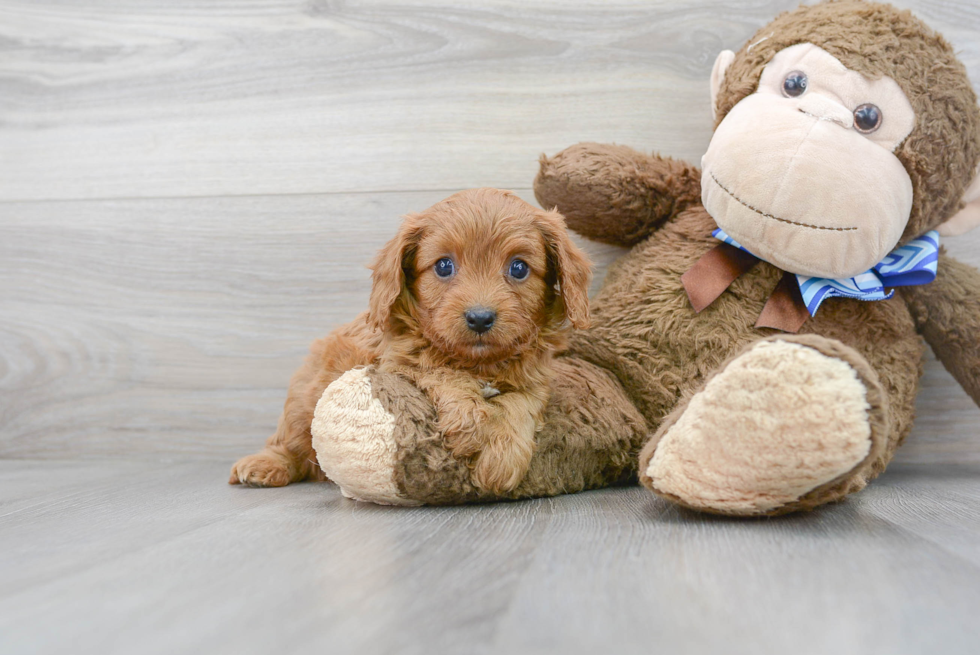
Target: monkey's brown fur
(415, 327)
(628, 379)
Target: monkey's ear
(968, 217)
(722, 62)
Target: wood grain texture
(140, 323)
(129, 98)
(129, 557)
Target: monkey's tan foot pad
(375, 436)
(354, 439)
(790, 423)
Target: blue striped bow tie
(909, 265)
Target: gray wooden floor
(162, 558)
(189, 192)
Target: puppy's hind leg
(287, 457)
(288, 454)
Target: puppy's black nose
(480, 319)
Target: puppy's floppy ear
(388, 277)
(573, 269)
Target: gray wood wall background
(190, 191)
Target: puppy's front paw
(460, 424)
(263, 469)
(503, 464)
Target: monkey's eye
(444, 267)
(867, 118)
(519, 269)
(794, 85)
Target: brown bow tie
(719, 267)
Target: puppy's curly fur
(491, 387)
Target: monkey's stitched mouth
(775, 218)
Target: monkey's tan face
(802, 172)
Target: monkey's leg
(375, 436)
(790, 423)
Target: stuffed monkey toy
(758, 350)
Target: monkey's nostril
(480, 319)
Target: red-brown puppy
(471, 300)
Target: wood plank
(135, 99)
(182, 563)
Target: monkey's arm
(947, 313)
(615, 194)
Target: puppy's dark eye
(519, 269)
(444, 267)
(794, 85)
(867, 118)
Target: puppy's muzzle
(480, 319)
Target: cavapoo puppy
(470, 301)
